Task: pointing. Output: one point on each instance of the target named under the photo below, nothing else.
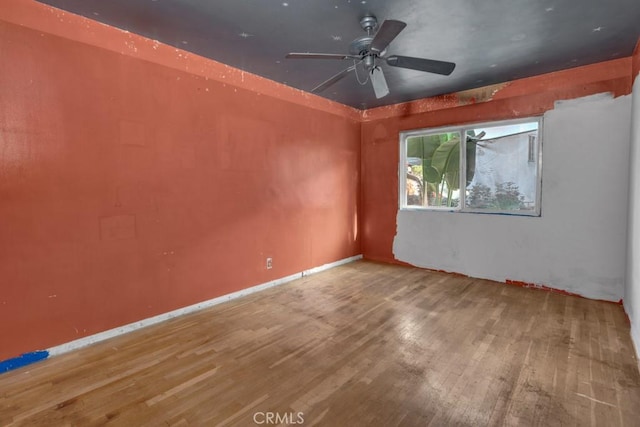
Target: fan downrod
(360, 46)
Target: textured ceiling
(491, 41)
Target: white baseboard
(92, 339)
(330, 265)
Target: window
(489, 168)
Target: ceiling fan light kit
(370, 51)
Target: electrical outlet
(269, 263)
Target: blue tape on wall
(23, 360)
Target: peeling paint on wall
(521, 98)
(577, 245)
(482, 94)
(612, 76)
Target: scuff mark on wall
(131, 46)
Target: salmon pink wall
(521, 98)
(129, 188)
(136, 178)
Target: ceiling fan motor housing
(360, 46)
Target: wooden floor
(364, 344)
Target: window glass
(433, 170)
(491, 168)
(501, 167)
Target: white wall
(579, 242)
(632, 289)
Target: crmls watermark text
(278, 418)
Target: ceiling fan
(370, 50)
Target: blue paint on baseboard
(23, 360)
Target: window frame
(463, 129)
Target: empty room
(319, 212)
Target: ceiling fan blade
(294, 55)
(325, 84)
(379, 83)
(385, 35)
(421, 64)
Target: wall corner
(635, 62)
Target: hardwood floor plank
(364, 344)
